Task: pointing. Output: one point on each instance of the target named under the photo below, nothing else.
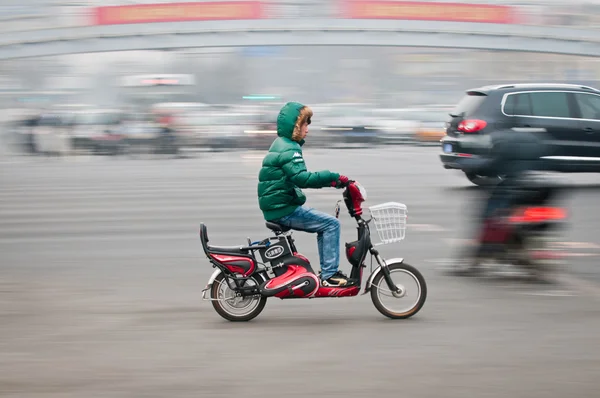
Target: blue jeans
(327, 227)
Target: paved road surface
(101, 272)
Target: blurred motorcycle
(521, 235)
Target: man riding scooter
(512, 154)
(281, 179)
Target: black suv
(568, 114)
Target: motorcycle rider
(512, 154)
(280, 197)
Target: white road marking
(582, 285)
(253, 157)
(427, 227)
(550, 293)
(576, 245)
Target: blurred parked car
(350, 124)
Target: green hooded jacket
(284, 172)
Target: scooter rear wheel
(380, 288)
(231, 307)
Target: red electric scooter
(241, 284)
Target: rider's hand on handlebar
(341, 182)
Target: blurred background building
(382, 77)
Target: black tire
(217, 305)
(483, 181)
(381, 279)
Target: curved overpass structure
(290, 32)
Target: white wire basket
(390, 221)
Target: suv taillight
(471, 126)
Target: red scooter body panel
(499, 230)
(295, 282)
(337, 291)
(299, 282)
(538, 214)
(495, 232)
(236, 264)
(301, 256)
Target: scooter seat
(232, 250)
(277, 228)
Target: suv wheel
(483, 181)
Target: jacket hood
(291, 116)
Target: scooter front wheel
(232, 307)
(413, 297)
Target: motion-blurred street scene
(124, 124)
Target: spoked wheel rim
(406, 294)
(233, 304)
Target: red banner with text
(429, 11)
(178, 12)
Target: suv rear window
(469, 103)
(541, 103)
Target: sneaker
(338, 279)
(335, 281)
